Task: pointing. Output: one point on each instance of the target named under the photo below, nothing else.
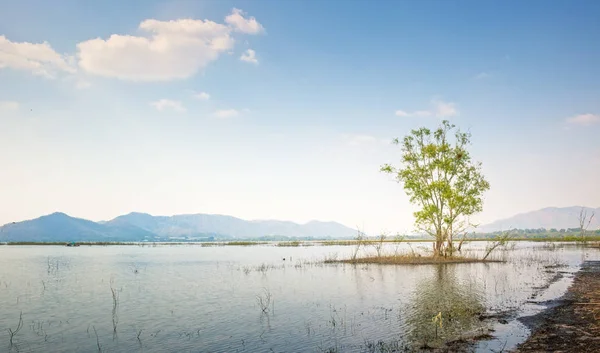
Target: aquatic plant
(359, 240)
(501, 241)
(265, 301)
(115, 298)
(97, 339)
(12, 332)
(378, 244)
(245, 243)
(289, 243)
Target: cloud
(172, 50)
(162, 51)
(9, 106)
(240, 24)
(584, 119)
(226, 113)
(165, 50)
(444, 109)
(35, 58)
(438, 108)
(203, 96)
(482, 76)
(164, 104)
(249, 56)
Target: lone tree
(439, 176)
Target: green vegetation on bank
(244, 243)
(291, 243)
(514, 236)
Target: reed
(12, 332)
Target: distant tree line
(539, 232)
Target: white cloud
(172, 50)
(482, 76)
(163, 50)
(240, 24)
(444, 109)
(35, 58)
(164, 104)
(9, 105)
(226, 113)
(584, 119)
(203, 96)
(439, 108)
(175, 49)
(249, 56)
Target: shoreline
(592, 242)
(572, 323)
(412, 260)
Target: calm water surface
(206, 299)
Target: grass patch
(204, 245)
(338, 242)
(244, 243)
(289, 243)
(410, 260)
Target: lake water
(189, 298)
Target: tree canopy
(439, 176)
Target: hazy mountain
(61, 227)
(141, 226)
(206, 224)
(550, 217)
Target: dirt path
(573, 325)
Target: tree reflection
(443, 308)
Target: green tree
(439, 176)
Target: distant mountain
(61, 227)
(550, 217)
(194, 225)
(144, 227)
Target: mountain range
(144, 227)
(548, 218)
(59, 227)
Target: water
(189, 298)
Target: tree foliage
(439, 176)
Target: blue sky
(285, 109)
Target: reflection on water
(206, 299)
(444, 308)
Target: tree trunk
(439, 245)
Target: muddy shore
(572, 324)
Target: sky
(286, 109)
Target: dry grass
(290, 244)
(245, 243)
(411, 260)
